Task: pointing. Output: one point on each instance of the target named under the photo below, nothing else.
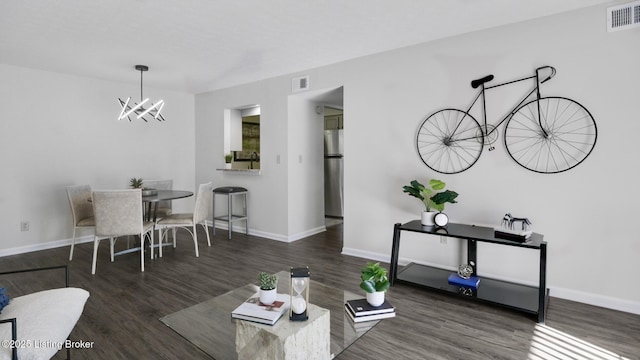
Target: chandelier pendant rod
(138, 109)
(141, 85)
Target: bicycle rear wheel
(568, 135)
(449, 141)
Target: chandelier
(138, 110)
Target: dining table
(156, 196)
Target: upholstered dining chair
(119, 213)
(81, 211)
(164, 207)
(188, 221)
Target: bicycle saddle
(476, 83)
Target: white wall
(306, 167)
(586, 214)
(58, 130)
(267, 191)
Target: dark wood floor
(121, 315)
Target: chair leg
(230, 216)
(73, 241)
(246, 215)
(206, 230)
(112, 242)
(174, 231)
(213, 212)
(142, 235)
(195, 239)
(150, 245)
(160, 241)
(96, 241)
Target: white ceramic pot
(427, 218)
(227, 165)
(267, 297)
(375, 298)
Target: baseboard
(562, 293)
(44, 246)
(307, 233)
(221, 225)
(596, 300)
(271, 236)
(367, 255)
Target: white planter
(427, 218)
(267, 297)
(375, 298)
(227, 165)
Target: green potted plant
(268, 287)
(227, 160)
(374, 282)
(431, 196)
(136, 183)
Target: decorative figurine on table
(465, 277)
(465, 271)
(508, 221)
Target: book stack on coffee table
(253, 310)
(359, 310)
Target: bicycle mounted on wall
(545, 135)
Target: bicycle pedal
(492, 148)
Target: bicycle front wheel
(449, 141)
(561, 140)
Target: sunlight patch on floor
(549, 343)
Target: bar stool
(231, 191)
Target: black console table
(528, 299)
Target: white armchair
(46, 316)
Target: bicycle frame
(482, 81)
(544, 134)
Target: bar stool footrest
(225, 218)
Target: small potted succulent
(227, 161)
(268, 284)
(139, 184)
(432, 198)
(375, 282)
(135, 183)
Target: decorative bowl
(147, 192)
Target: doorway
(306, 155)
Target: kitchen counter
(241, 171)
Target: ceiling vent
(300, 83)
(623, 17)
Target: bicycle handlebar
(552, 74)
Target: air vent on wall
(623, 17)
(300, 83)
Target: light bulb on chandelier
(138, 109)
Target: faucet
(254, 156)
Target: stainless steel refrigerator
(333, 173)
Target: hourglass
(299, 294)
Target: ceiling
(199, 45)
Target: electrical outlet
(24, 226)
